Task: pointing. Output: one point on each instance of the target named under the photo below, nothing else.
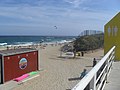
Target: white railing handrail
(87, 78)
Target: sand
(55, 71)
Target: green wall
(112, 35)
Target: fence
(97, 77)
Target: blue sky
(38, 17)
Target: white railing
(97, 77)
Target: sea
(31, 40)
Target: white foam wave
(22, 44)
(65, 41)
(3, 44)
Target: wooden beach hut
(112, 35)
(16, 62)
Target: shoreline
(35, 45)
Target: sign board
(112, 35)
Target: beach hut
(16, 62)
(112, 35)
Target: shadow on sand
(88, 66)
(64, 58)
(76, 78)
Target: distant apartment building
(90, 32)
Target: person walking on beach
(94, 62)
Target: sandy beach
(55, 72)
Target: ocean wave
(3, 44)
(21, 44)
(65, 41)
(58, 42)
(30, 40)
(33, 43)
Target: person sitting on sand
(83, 73)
